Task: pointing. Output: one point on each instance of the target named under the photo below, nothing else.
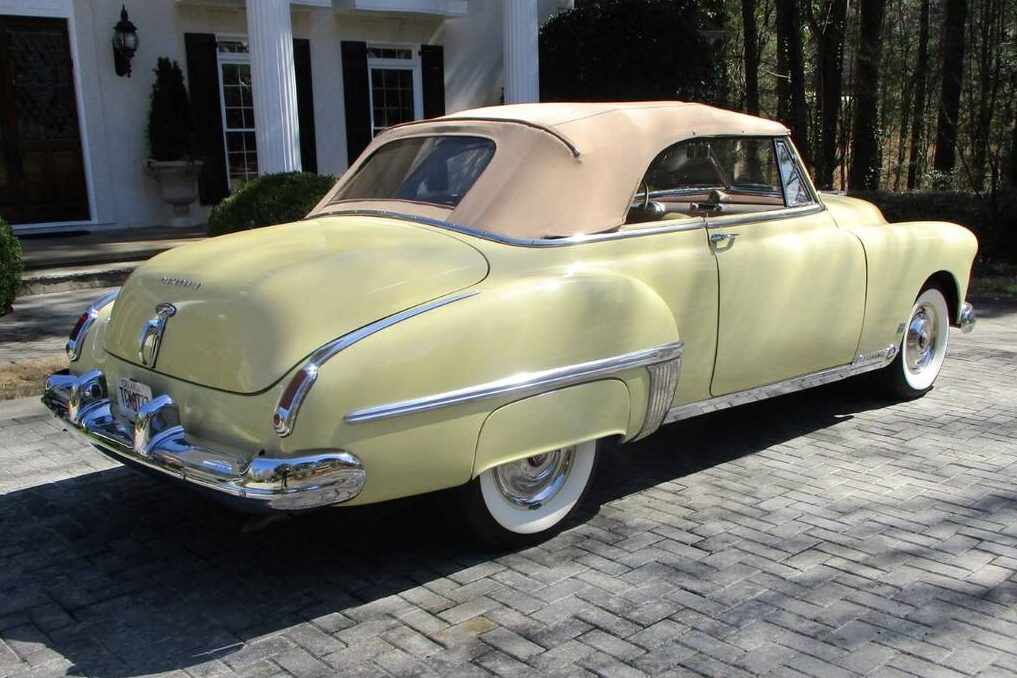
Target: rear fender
(508, 329)
(551, 421)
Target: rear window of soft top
(438, 170)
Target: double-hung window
(237, 111)
(395, 86)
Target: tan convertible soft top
(559, 169)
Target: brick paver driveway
(825, 533)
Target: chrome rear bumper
(158, 442)
(966, 320)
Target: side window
(796, 187)
(696, 177)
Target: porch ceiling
(442, 9)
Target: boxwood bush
(992, 217)
(268, 200)
(10, 266)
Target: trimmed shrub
(268, 200)
(170, 126)
(991, 217)
(10, 266)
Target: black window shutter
(305, 104)
(432, 72)
(356, 98)
(203, 85)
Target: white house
(275, 85)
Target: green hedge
(993, 218)
(268, 200)
(10, 266)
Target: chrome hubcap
(920, 343)
(533, 481)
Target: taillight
(289, 403)
(79, 325)
(85, 321)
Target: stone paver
(820, 534)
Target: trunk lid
(252, 305)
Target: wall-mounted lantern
(125, 43)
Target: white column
(274, 85)
(521, 62)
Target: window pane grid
(391, 97)
(238, 123)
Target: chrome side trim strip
(512, 121)
(756, 217)
(861, 364)
(73, 346)
(677, 226)
(285, 417)
(524, 384)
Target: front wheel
(525, 501)
(922, 350)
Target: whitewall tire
(922, 349)
(527, 500)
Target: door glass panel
(795, 186)
(728, 175)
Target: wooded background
(878, 94)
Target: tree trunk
(949, 98)
(865, 159)
(830, 52)
(791, 71)
(921, 84)
(751, 38)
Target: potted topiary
(170, 141)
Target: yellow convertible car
(485, 299)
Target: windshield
(438, 170)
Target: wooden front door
(42, 174)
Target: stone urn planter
(178, 186)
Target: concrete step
(67, 278)
(58, 251)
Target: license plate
(132, 396)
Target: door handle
(721, 237)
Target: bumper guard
(967, 319)
(158, 442)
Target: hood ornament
(151, 334)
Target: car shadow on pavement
(123, 575)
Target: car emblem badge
(151, 334)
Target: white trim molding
(445, 9)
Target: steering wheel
(646, 194)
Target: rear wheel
(922, 350)
(527, 500)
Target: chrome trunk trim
(671, 226)
(285, 417)
(524, 383)
(157, 441)
(863, 363)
